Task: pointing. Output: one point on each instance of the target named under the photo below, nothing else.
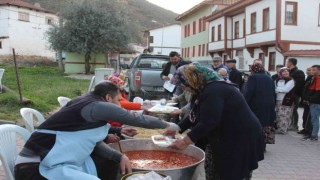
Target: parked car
(144, 77)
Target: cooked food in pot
(156, 159)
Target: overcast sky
(177, 6)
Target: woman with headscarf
(260, 96)
(123, 102)
(191, 99)
(224, 118)
(284, 100)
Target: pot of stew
(144, 155)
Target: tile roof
(312, 52)
(21, 3)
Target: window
(153, 63)
(244, 28)
(319, 16)
(49, 20)
(225, 57)
(200, 24)
(262, 57)
(0, 45)
(266, 19)
(193, 51)
(199, 50)
(272, 61)
(203, 49)
(194, 27)
(253, 23)
(203, 24)
(23, 16)
(236, 30)
(219, 32)
(291, 13)
(212, 33)
(150, 39)
(188, 30)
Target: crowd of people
(230, 115)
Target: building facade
(23, 27)
(271, 30)
(164, 39)
(194, 29)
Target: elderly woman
(260, 96)
(285, 100)
(224, 118)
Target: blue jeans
(315, 115)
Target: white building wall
(303, 46)
(307, 27)
(216, 45)
(305, 62)
(4, 13)
(28, 38)
(169, 38)
(261, 37)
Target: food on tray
(147, 133)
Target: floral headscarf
(256, 68)
(199, 76)
(115, 80)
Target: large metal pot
(190, 172)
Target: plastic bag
(148, 176)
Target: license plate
(160, 89)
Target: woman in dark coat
(223, 116)
(260, 96)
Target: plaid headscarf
(199, 76)
(179, 76)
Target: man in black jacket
(235, 76)
(175, 62)
(299, 79)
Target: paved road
(290, 158)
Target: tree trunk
(61, 67)
(87, 64)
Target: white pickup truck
(144, 76)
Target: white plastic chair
(8, 146)
(27, 116)
(1, 74)
(63, 100)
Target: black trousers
(306, 124)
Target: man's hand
(165, 78)
(176, 112)
(112, 138)
(125, 166)
(129, 131)
(172, 127)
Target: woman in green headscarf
(224, 118)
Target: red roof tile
(20, 3)
(313, 52)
